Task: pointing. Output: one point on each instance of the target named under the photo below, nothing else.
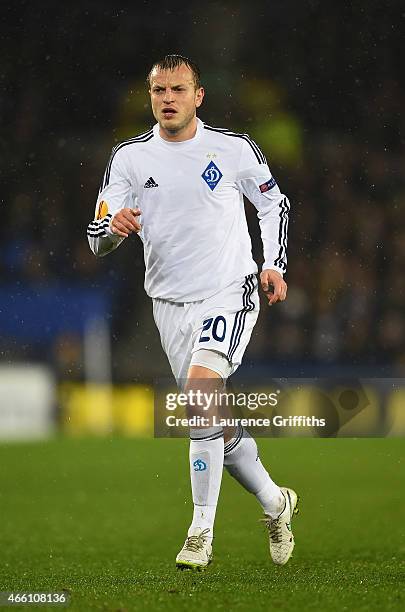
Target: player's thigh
(175, 335)
(225, 322)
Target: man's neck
(188, 132)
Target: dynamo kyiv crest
(212, 175)
(199, 465)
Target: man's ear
(199, 97)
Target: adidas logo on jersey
(150, 183)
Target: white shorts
(221, 323)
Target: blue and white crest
(199, 465)
(212, 175)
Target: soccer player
(180, 187)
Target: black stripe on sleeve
(282, 234)
(258, 153)
(141, 138)
(104, 223)
(94, 234)
(97, 228)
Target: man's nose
(168, 97)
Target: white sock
(206, 466)
(242, 461)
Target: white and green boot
(281, 538)
(196, 552)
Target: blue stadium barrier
(41, 314)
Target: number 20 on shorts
(215, 328)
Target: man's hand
(273, 286)
(124, 222)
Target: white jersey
(190, 194)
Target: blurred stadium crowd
(321, 89)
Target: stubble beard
(174, 130)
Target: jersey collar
(182, 143)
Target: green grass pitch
(105, 518)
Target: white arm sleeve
(116, 192)
(255, 181)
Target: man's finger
(119, 228)
(277, 294)
(128, 224)
(124, 225)
(274, 298)
(131, 225)
(119, 232)
(127, 217)
(130, 213)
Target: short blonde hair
(170, 62)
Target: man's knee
(205, 382)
